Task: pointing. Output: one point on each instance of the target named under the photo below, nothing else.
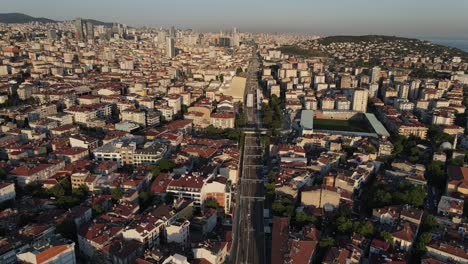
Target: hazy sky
(423, 18)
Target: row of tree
(382, 195)
(272, 117)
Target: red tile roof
(226, 115)
(187, 182)
(50, 253)
(160, 183)
(30, 169)
(449, 249)
(302, 251)
(280, 234)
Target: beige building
(222, 120)
(457, 180)
(135, 116)
(175, 101)
(35, 172)
(325, 197)
(88, 100)
(235, 89)
(85, 114)
(418, 130)
(78, 179)
(360, 97)
(24, 92)
(199, 115)
(328, 103)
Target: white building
(82, 115)
(375, 74)
(170, 48)
(403, 105)
(147, 232)
(53, 255)
(134, 116)
(222, 120)
(189, 187)
(7, 191)
(176, 259)
(360, 97)
(42, 112)
(175, 101)
(214, 252)
(125, 151)
(450, 206)
(178, 232)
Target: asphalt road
(248, 229)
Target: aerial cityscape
(140, 141)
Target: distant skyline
(411, 18)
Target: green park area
(300, 52)
(342, 125)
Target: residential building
(360, 97)
(7, 191)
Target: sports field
(342, 125)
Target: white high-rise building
(414, 89)
(235, 38)
(403, 91)
(373, 90)
(360, 98)
(170, 48)
(162, 35)
(375, 74)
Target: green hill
(19, 18)
(12, 18)
(365, 38)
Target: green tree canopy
(364, 229)
(435, 174)
(117, 193)
(343, 224)
(166, 165)
(2, 174)
(57, 191)
(430, 222)
(423, 240)
(456, 162)
(326, 242)
(386, 236)
(68, 230)
(144, 199)
(304, 218)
